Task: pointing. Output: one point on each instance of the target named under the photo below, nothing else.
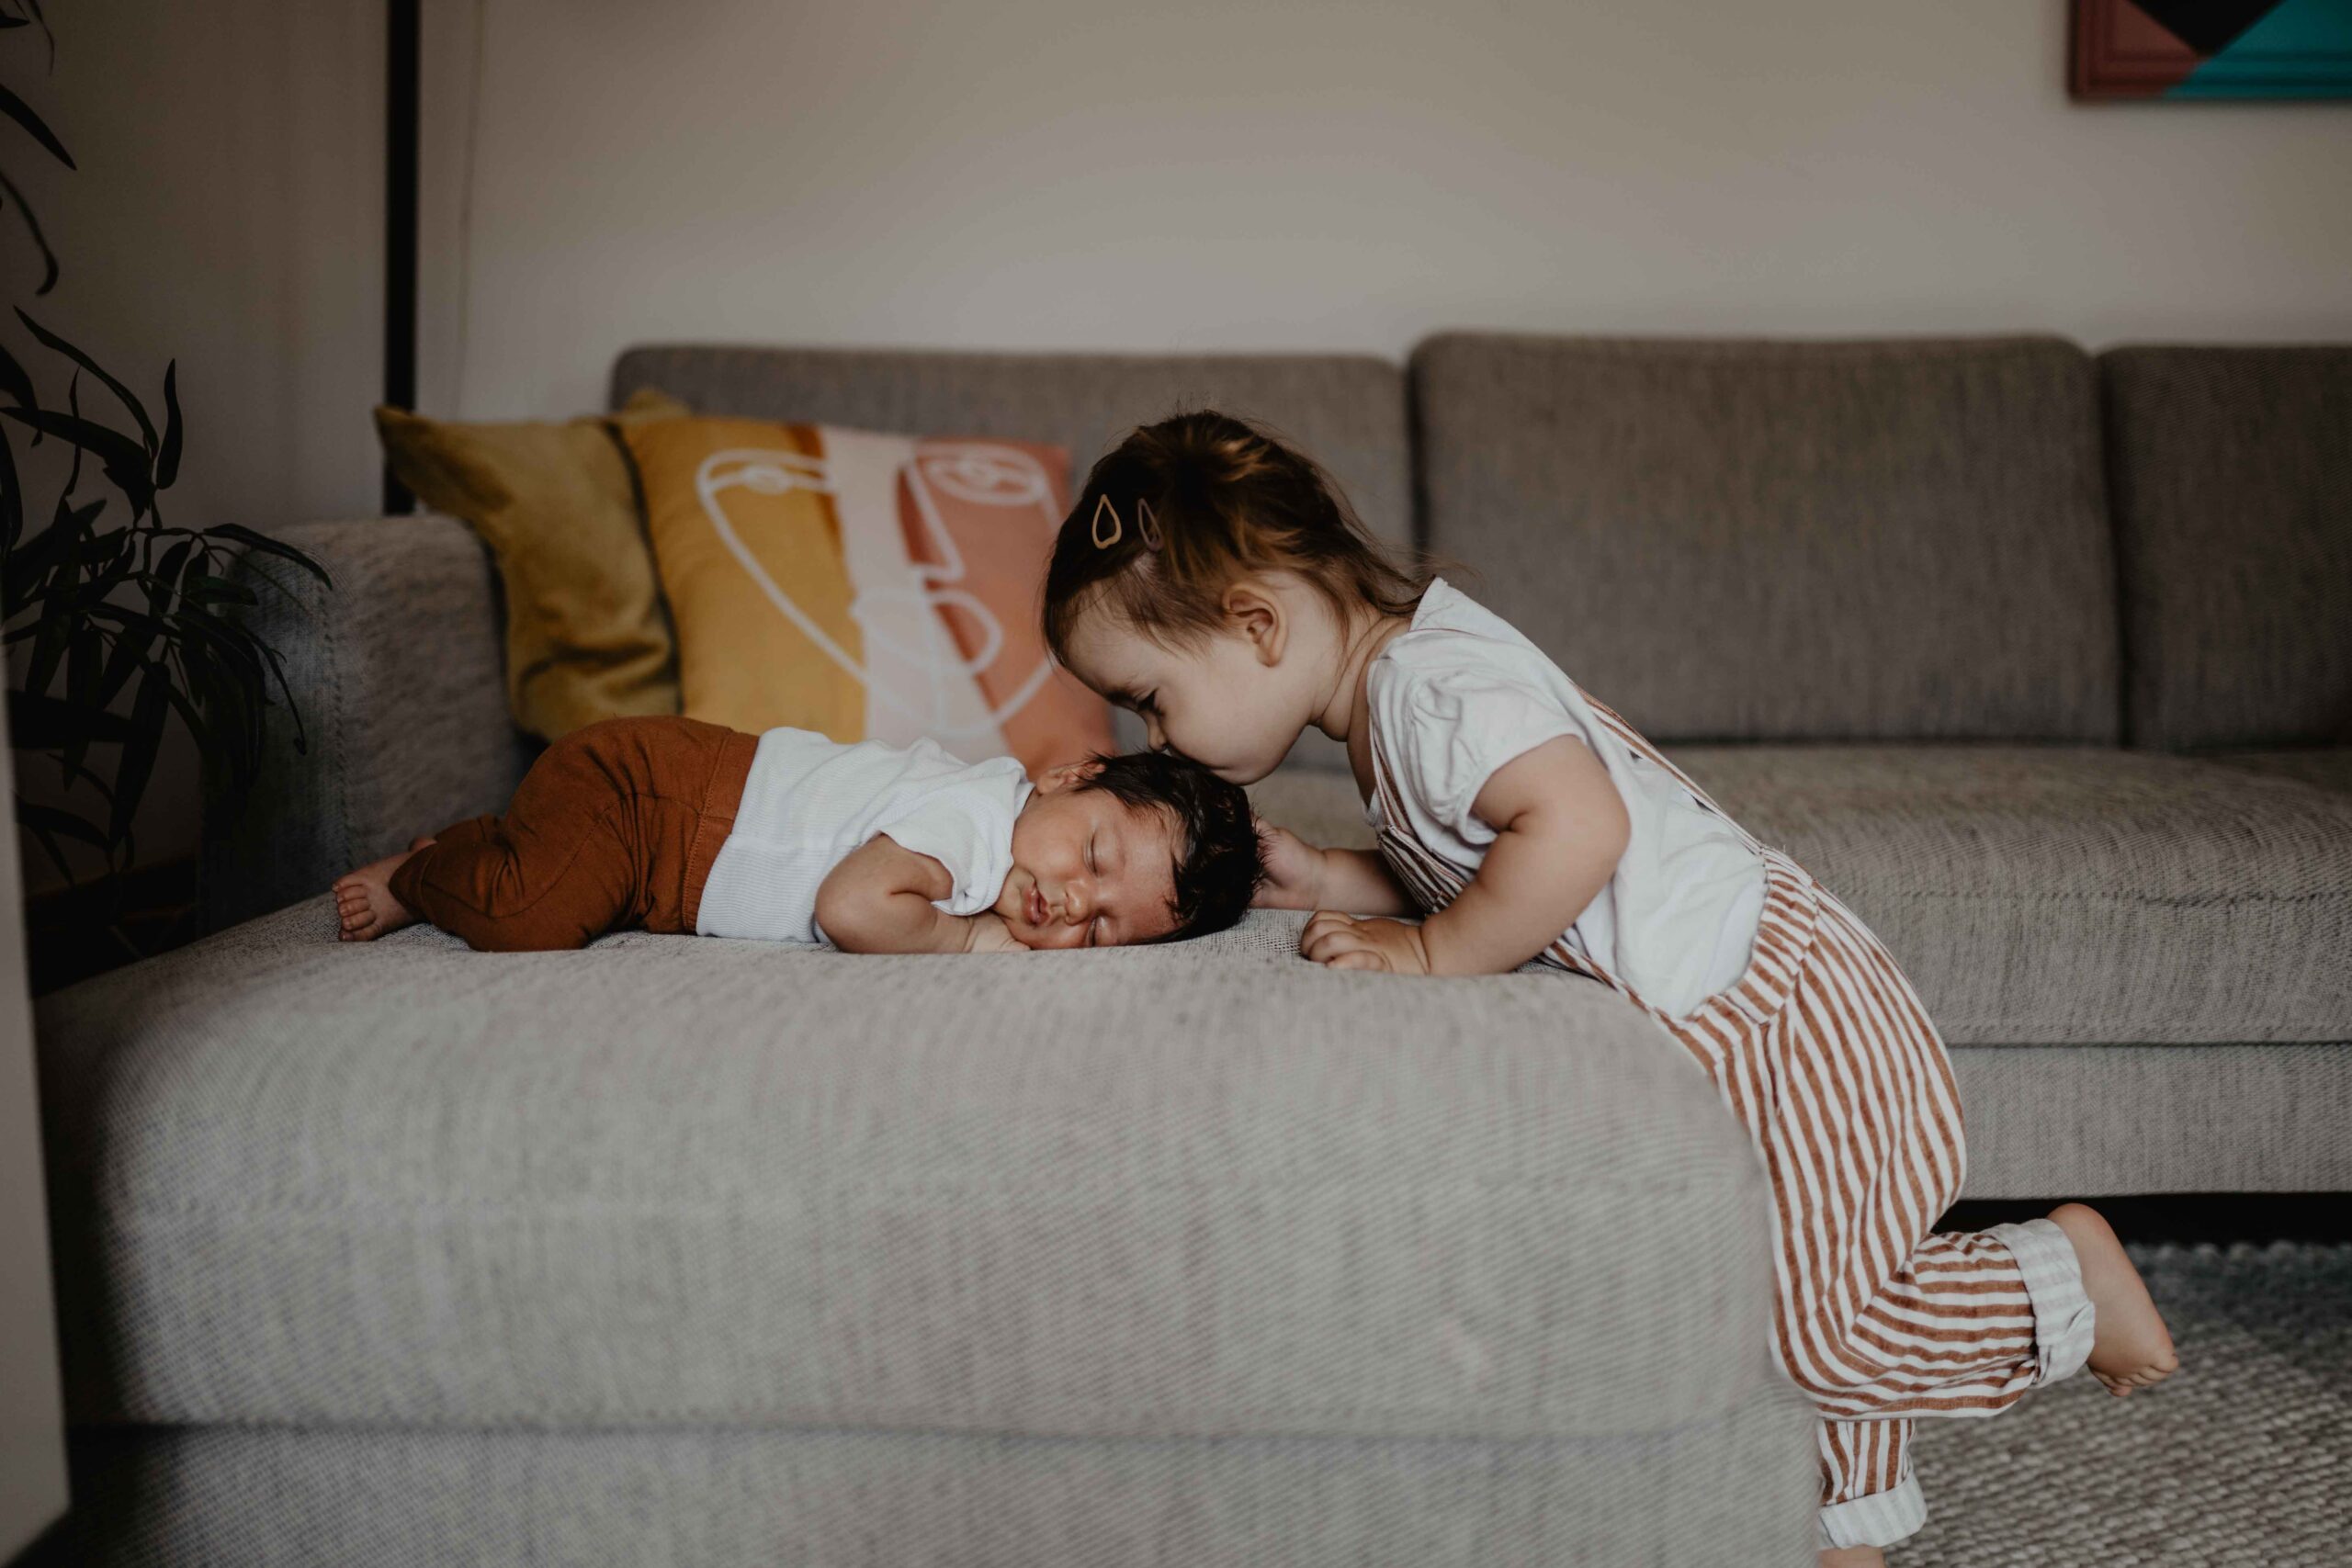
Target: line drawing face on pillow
(944, 678)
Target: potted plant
(117, 623)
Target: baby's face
(1088, 870)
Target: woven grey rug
(2244, 1456)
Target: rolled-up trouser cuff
(2064, 1318)
(1880, 1519)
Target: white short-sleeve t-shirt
(810, 801)
(1461, 693)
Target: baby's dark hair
(1223, 500)
(1218, 863)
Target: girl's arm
(880, 900)
(1300, 877)
(1560, 826)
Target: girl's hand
(1342, 942)
(1294, 870)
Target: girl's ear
(1261, 616)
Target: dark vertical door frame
(403, 46)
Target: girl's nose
(1157, 742)
(1077, 902)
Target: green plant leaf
(11, 503)
(168, 573)
(293, 709)
(16, 108)
(85, 654)
(43, 21)
(148, 711)
(32, 227)
(125, 463)
(38, 722)
(27, 566)
(122, 393)
(49, 652)
(46, 822)
(52, 819)
(16, 381)
(206, 589)
(132, 645)
(267, 546)
(168, 457)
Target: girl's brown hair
(1195, 503)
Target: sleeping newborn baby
(673, 825)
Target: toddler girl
(1214, 582)
(673, 825)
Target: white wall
(1088, 173)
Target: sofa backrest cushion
(2231, 470)
(1786, 541)
(1346, 411)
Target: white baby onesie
(810, 801)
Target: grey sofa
(681, 1251)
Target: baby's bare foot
(2130, 1346)
(364, 900)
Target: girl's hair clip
(1146, 524)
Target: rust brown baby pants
(615, 828)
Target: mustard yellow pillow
(872, 587)
(587, 635)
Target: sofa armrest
(396, 670)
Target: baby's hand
(1294, 870)
(991, 935)
(1342, 942)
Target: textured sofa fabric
(1701, 1495)
(2043, 895)
(682, 1179)
(2329, 767)
(2231, 475)
(1774, 541)
(395, 673)
(1200, 1192)
(2072, 895)
(1983, 868)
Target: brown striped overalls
(1826, 1056)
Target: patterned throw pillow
(871, 587)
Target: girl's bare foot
(364, 899)
(2130, 1346)
(1853, 1557)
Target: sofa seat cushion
(2062, 896)
(2042, 895)
(1204, 1190)
(2329, 767)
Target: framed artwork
(2211, 48)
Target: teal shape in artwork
(2303, 49)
